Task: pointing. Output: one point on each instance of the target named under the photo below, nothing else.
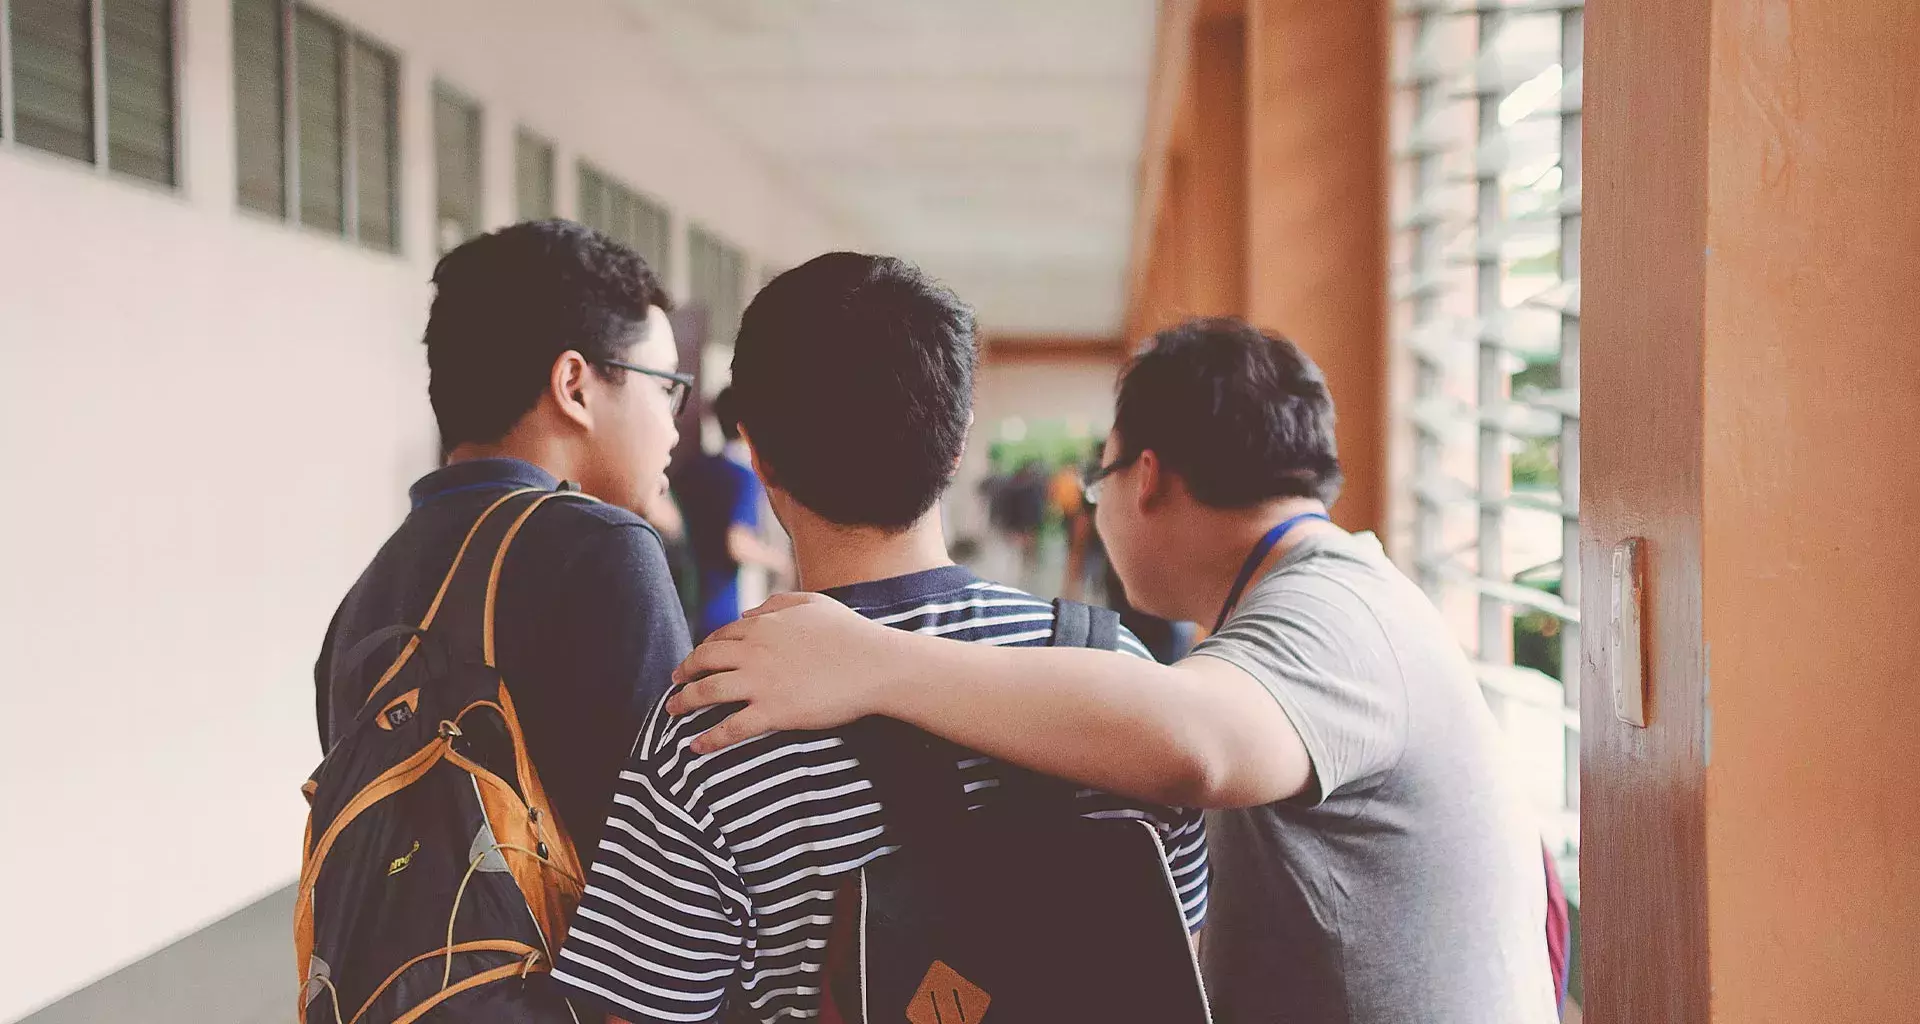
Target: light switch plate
(1626, 637)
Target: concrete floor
(238, 970)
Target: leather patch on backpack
(945, 997)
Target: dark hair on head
(726, 412)
(855, 381)
(1242, 416)
(507, 304)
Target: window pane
(317, 60)
(648, 234)
(375, 99)
(53, 76)
(593, 199)
(533, 177)
(259, 104)
(718, 277)
(620, 215)
(140, 88)
(456, 150)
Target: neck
(545, 452)
(828, 555)
(1218, 546)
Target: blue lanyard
(1259, 554)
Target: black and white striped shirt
(714, 881)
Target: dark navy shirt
(589, 626)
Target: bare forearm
(1110, 721)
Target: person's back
(1410, 837)
(714, 889)
(736, 858)
(583, 644)
(1375, 859)
(526, 341)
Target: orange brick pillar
(1750, 384)
(1317, 93)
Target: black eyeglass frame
(678, 397)
(1090, 483)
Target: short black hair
(507, 304)
(1241, 415)
(726, 412)
(855, 380)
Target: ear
(567, 385)
(1156, 484)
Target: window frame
(352, 41)
(97, 81)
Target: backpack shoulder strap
(465, 608)
(1083, 625)
(459, 621)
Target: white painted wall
(209, 420)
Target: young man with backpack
(724, 886)
(474, 717)
(1374, 861)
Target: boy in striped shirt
(712, 890)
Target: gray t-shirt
(1407, 883)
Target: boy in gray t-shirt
(1402, 850)
(1372, 860)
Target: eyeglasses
(1090, 485)
(679, 385)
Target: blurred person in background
(551, 360)
(1076, 523)
(721, 499)
(1373, 858)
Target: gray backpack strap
(1081, 625)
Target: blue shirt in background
(717, 494)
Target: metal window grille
(316, 122)
(1487, 316)
(627, 216)
(92, 80)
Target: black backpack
(435, 878)
(1026, 908)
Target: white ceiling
(994, 142)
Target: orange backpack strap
(454, 574)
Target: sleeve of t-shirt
(658, 934)
(621, 632)
(1296, 636)
(744, 507)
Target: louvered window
(260, 104)
(717, 282)
(640, 223)
(456, 161)
(375, 88)
(1487, 317)
(87, 78)
(316, 122)
(533, 177)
